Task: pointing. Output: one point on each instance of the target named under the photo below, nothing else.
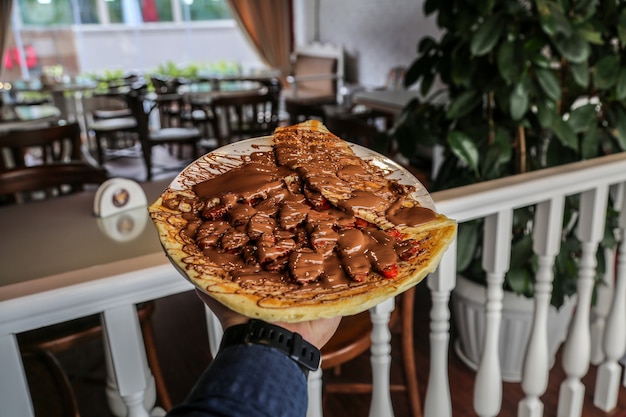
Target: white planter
(468, 309)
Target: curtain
(267, 24)
(5, 27)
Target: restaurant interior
(96, 322)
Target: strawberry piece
(395, 233)
(390, 272)
(214, 213)
(408, 250)
(360, 223)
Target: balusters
(438, 402)
(614, 341)
(577, 351)
(546, 243)
(122, 336)
(381, 359)
(496, 255)
(315, 408)
(14, 394)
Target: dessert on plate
(300, 225)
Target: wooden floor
(183, 349)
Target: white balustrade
(614, 341)
(381, 359)
(546, 243)
(441, 282)
(494, 201)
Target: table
(25, 117)
(386, 101)
(41, 285)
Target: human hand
(317, 332)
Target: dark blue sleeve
(248, 381)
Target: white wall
(144, 48)
(376, 34)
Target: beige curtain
(267, 24)
(5, 27)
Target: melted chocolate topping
(267, 220)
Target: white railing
(495, 201)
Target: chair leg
(408, 352)
(155, 367)
(147, 158)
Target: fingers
(318, 332)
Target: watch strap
(290, 343)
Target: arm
(252, 379)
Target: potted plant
(512, 86)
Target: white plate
(230, 156)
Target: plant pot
(468, 310)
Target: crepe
(299, 227)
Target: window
(68, 12)
(206, 10)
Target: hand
(318, 332)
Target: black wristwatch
(258, 332)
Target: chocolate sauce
(267, 220)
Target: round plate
(307, 302)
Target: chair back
(240, 115)
(50, 144)
(25, 184)
(317, 71)
(135, 99)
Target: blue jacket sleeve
(247, 381)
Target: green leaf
(574, 47)
(591, 35)
(546, 113)
(498, 155)
(582, 118)
(549, 83)
(463, 104)
(520, 281)
(465, 149)
(421, 66)
(467, 242)
(606, 72)
(553, 19)
(621, 27)
(620, 120)
(565, 133)
(589, 146)
(518, 102)
(431, 6)
(620, 88)
(521, 252)
(487, 35)
(580, 73)
(510, 59)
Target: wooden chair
(240, 115)
(111, 125)
(42, 145)
(315, 81)
(50, 389)
(53, 180)
(27, 184)
(149, 138)
(353, 338)
(171, 104)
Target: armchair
(316, 80)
